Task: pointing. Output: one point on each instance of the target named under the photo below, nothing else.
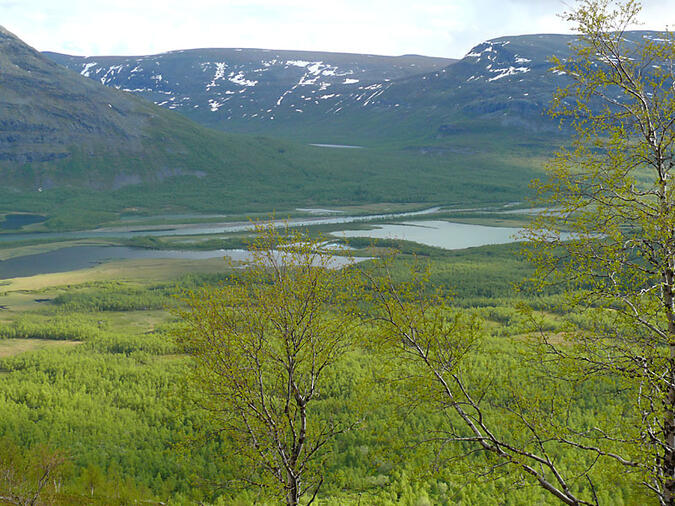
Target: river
(441, 234)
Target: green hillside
(83, 154)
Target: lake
(441, 234)
(19, 220)
(337, 146)
(438, 233)
(81, 257)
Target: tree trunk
(293, 493)
(668, 466)
(669, 431)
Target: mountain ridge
(504, 80)
(243, 84)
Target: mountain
(267, 91)
(432, 130)
(500, 84)
(505, 80)
(58, 129)
(84, 154)
(227, 87)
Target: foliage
(112, 297)
(263, 348)
(32, 478)
(438, 351)
(115, 404)
(610, 240)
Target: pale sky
(391, 27)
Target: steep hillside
(58, 130)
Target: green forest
(110, 396)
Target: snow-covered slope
(220, 85)
(504, 82)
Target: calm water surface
(82, 257)
(339, 146)
(441, 234)
(200, 229)
(16, 221)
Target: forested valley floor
(89, 369)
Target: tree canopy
(609, 234)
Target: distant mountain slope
(45, 109)
(58, 129)
(505, 81)
(225, 87)
(500, 83)
(83, 154)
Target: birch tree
(435, 346)
(612, 191)
(263, 348)
(609, 239)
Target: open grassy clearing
(11, 347)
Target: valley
(32, 253)
(207, 251)
(96, 342)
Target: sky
(448, 28)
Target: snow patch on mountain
(215, 105)
(510, 71)
(298, 63)
(86, 67)
(220, 73)
(240, 79)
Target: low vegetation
(116, 409)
